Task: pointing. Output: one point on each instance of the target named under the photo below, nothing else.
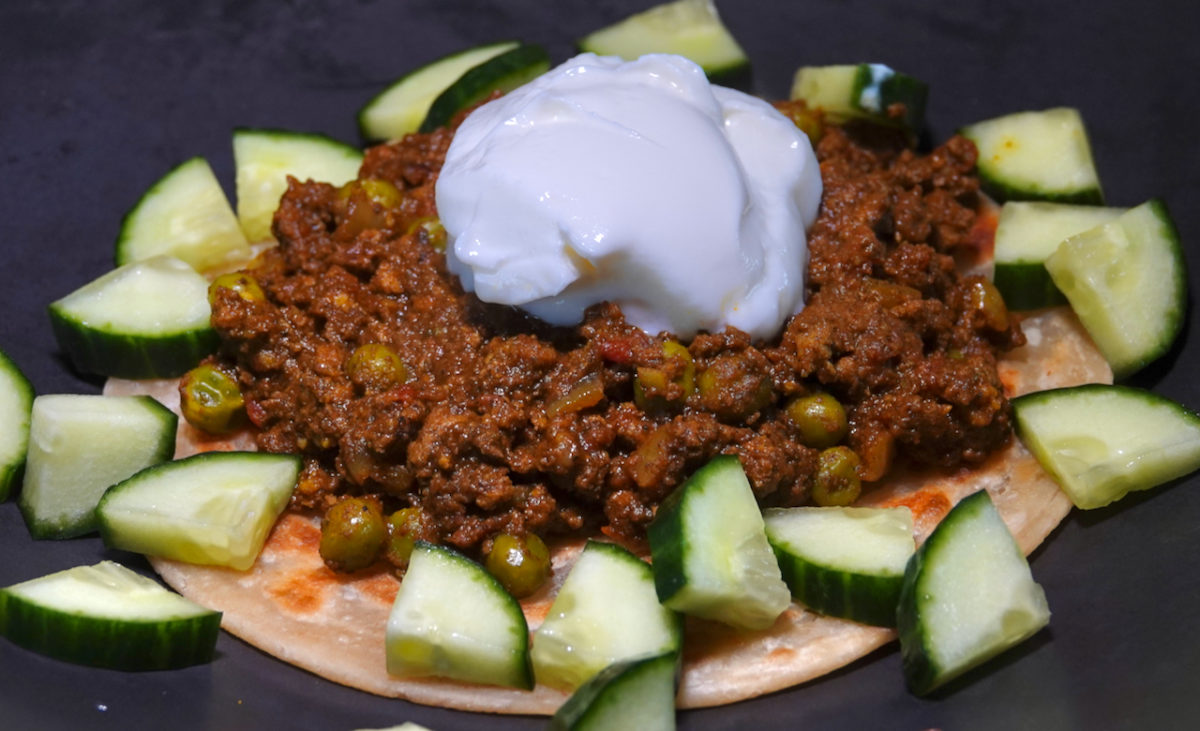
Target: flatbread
(293, 607)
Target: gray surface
(100, 99)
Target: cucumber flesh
(605, 611)
(108, 616)
(1027, 233)
(185, 215)
(80, 446)
(1126, 281)
(212, 508)
(147, 319)
(503, 72)
(863, 91)
(265, 158)
(631, 694)
(968, 596)
(710, 552)
(1041, 155)
(16, 405)
(1102, 442)
(844, 562)
(399, 109)
(452, 619)
(688, 28)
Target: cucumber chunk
(844, 562)
(1036, 156)
(606, 610)
(108, 616)
(1102, 442)
(688, 28)
(400, 108)
(16, 405)
(80, 446)
(968, 596)
(1027, 233)
(185, 215)
(147, 319)
(264, 158)
(1126, 281)
(452, 619)
(212, 508)
(503, 72)
(863, 91)
(631, 694)
(710, 552)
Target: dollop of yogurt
(686, 204)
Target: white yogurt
(638, 183)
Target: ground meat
(500, 423)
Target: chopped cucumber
(80, 446)
(264, 158)
(1036, 156)
(185, 215)
(211, 508)
(16, 403)
(452, 619)
(1027, 233)
(710, 551)
(688, 28)
(503, 72)
(1126, 281)
(631, 694)
(108, 616)
(968, 595)
(147, 319)
(867, 91)
(844, 562)
(400, 108)
(606, 610)
(1102, 442)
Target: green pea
(211, 400)
(376, 366)
(241, 283)
(837, 481)
(431, 231)
(404, 527)
(820, 418)
(352, 534)
(521, 565)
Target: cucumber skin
(922, 674)
(827, 591)
(1027, 286)
(669, 554)
(522, 674)
(505, 72)
(602, 690)
(111, 535)
(1176, 315)
(373, 132)
(11, 472)
(1003, 191)
(109, 643)
(131, 356)
(1034, 445)
(920, 671)
(164, 451)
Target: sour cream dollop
(637, 182)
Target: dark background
(98, 100)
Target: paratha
(293, 607)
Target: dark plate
(100, 99)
